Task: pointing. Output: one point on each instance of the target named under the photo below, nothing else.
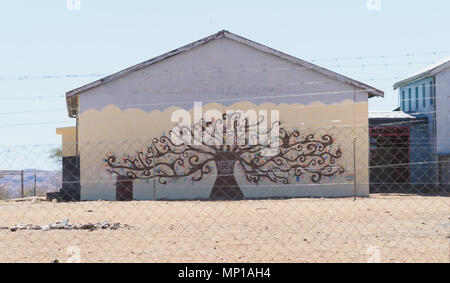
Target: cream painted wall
(126, 132)
(68, 135)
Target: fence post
(21, 182)
(154, 172)
(354, 168)
(34, 190)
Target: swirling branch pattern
(296, 156)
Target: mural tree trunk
(226, 186)
(168, 160)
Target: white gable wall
(219, 70)
(443, 111)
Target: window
(403, 100)
(424, 95)
(417, 98)
(431, 93)
(409, 100)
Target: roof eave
(428, 73)
(71, 109)
(144, 64)
(372, 92)
(412, 79)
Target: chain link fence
(334, 194)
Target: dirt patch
(385, 228)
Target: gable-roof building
(121, 114)
(427, 94)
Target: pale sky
(39, 38)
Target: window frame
(424, 95)
(417, 98)
(409, 99)
(431, 93)
(403, 100)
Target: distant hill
(46, 181)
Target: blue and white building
(427, 94)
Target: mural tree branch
(224, 143)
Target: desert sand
(382, 228)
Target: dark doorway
(70, 190)
(124, 189)
(389, 158)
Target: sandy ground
(379, 228)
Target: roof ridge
(225, 33)
(430, 70)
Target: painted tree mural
(226, 143)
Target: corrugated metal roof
(390, 115)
